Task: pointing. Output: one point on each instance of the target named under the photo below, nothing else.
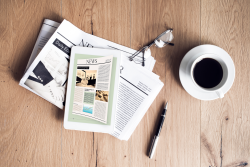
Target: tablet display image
(86, 78)
(87, 109)
(91, 89)
(102, 95)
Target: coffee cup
(209, 72)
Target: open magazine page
(92, 86)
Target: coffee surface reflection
(208, 73)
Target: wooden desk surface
(195, 133)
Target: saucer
(185, 77)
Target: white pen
(157, 135)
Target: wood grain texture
(195, 133)
(179, 144)
(111, 21)
(30, 127)
(108, 19)
(78, 148)
(225, 123)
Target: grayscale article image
(49, 77)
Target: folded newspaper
(47, 71)
(46, 74)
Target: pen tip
(166, 105)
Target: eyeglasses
(162, 40)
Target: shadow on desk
(23, 46)
(59, 114)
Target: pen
(157, 135)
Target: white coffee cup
(216, 89)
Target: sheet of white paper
(137, 90)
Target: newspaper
(46, 75)
(92, 86)
(137, 90)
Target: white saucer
(185, 77)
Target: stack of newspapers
(92, 79)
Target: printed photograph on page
(49, 77)
(102, 95)
(86, 78)
(92, 85)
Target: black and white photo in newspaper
(49, 77)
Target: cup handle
(220, 93)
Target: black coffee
(208, 73)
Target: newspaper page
(92, 86)
(137, 90)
